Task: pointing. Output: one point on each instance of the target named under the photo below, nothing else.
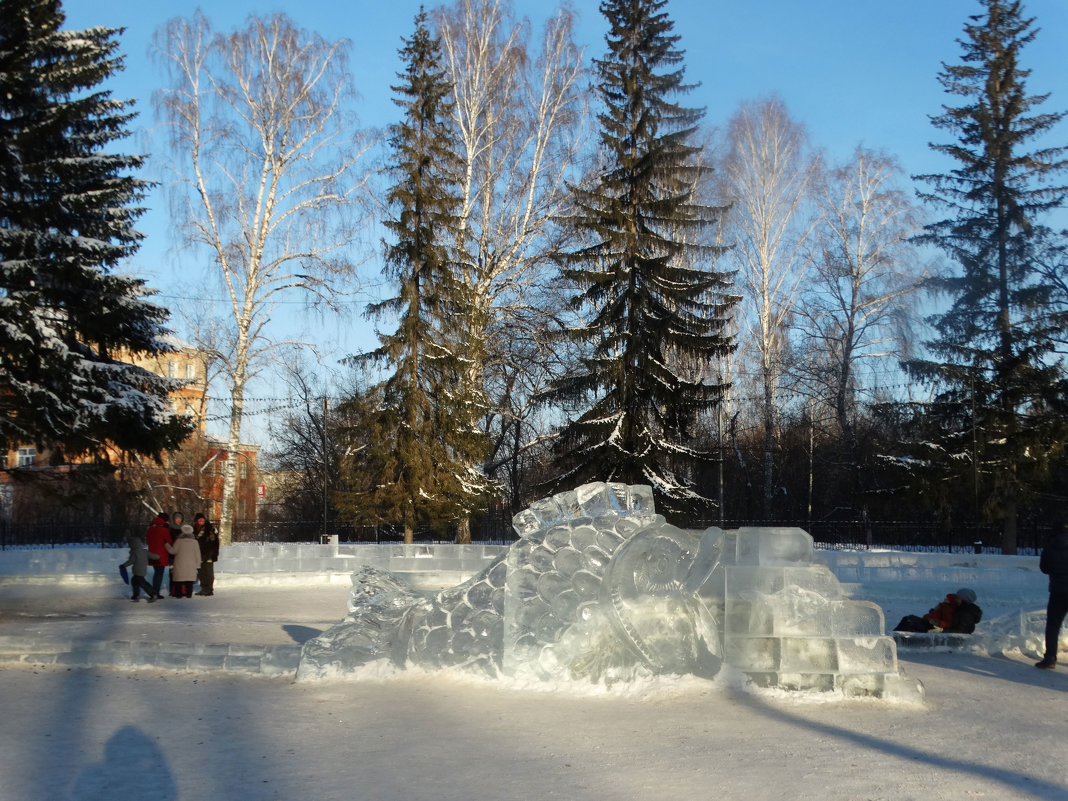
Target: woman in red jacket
(158, 537)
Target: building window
(26, 457)
(191, 370)
(172, 369)
(243, 470)
(189, 411)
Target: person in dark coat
(1054, 563)
(208, 538)
(158, 538)
(967, 614)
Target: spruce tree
(653, 306)
(68, 204)
(417, 483)
(998, 390)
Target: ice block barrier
(601, 588)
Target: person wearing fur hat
(186, 554)
(1054, 563)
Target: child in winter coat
(138, 561)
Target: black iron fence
(851, 534)
(51, 535)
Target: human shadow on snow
(133, 768)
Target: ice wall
(601, 588)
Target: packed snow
(990, 725)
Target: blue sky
(853, 71)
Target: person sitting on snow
(966, 615)
(957, 614)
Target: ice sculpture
(600, 587)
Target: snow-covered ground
(993, 726)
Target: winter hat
(187, 531)
(966, 595)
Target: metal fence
(51, 535)
(851, 535)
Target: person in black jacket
(967, 613)
(208, 538)
(1054, 563)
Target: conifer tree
(67, 211)
(653, 306)
(998, 392)
(420, 401)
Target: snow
(991, 727)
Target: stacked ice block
(787, 623)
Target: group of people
(189, 552)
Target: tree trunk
(463, 531)
(768, 460)
(230, 470)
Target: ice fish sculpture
(601, 588)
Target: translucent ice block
(617, 493)
(748, 582)
(774, 546)
(797, 611)
(867, 655)
(858, 619)
(526, 523)
(753, 653)
(595, 499)
(549, 512)
(814, 578)
(806, 682)
(640, 499)
(809, 655)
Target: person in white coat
(186, 558)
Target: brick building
(190, 479)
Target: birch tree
(518, 111)
(864, 270)
(267, 154)
(766, 176)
